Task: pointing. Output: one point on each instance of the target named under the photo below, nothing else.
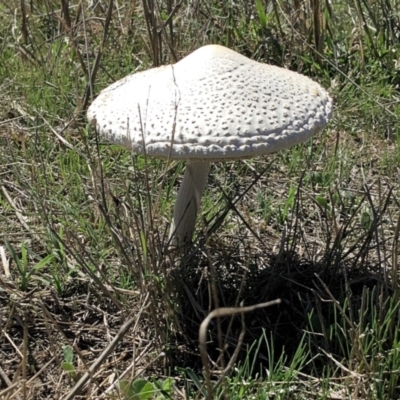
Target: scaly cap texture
(214, 104)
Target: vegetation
(94, 304)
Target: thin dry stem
(107, 351)
(221, 312)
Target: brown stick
(221, 312)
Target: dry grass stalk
(217, 313)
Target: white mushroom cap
(213, 104)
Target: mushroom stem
(188, 202)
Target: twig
(221, 312)
(10, 385)
(131, 366)
(24, 360)
(13, 344)
(110, 348)
(17, 212)
(4, 260)
(9, 389)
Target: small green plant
(141, 389)
(22, 261)
(283, 212)
(68, 364)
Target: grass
(91, 299)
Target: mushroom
(214, 104)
